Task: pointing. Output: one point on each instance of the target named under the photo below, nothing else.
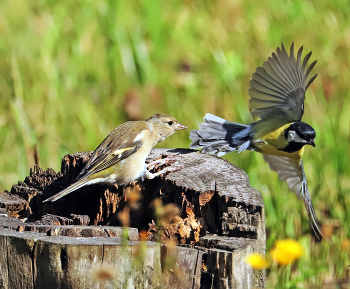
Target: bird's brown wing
(117, 146)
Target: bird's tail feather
(68, 190)
(219, 136)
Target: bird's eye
(170, 122)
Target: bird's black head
(302, 133)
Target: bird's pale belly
(121, 174)
(134, 169)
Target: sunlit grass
(71, 71)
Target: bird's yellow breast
(274, 142)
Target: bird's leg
(157, 163)
(150, 175)
(160, 162)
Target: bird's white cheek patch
(293, 136)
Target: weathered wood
(12, 204)
(70, 260)
(187, 268)
(230, 270)
(17, 260)
(220, 213)
(4, 271)
(49, 219)
(34, 260)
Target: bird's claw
(157, 163)
(164, 171)
(170, 170)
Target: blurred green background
(71, 71)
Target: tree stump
(77, 241)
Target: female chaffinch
(120, 158)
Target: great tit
(277, 93)
(120, 158)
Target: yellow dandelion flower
(257, 261)
(286, 251)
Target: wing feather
(278, 87)
(263, 78)
(102, 162)
(112, 150)
(271, 94)
(292, 171)
(289, 62)
(282, 69)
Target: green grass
(71, 71)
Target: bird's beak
(313, 143)
(180, 127)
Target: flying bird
(277, 94)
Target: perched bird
(277, 93)
(120, 158)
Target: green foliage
(71, 71)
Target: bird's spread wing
(277, 88)
(292, 171)
(288, 170)
(117, 146)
